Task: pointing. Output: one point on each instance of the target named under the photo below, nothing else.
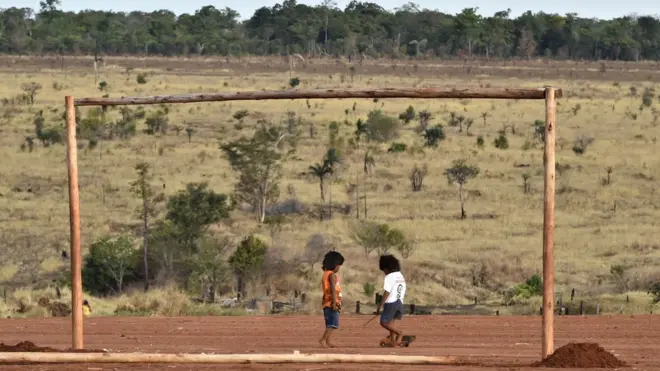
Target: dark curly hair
(331, 260)
(389, 263)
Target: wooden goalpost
(549, 94)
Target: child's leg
(331, 324)
(326, 336)
(387, 322)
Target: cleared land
(599, 226)
(488, 343)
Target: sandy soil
(493, 343)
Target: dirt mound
(28, 346)
(25, 346)
(581, 355)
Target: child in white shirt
(391, 305)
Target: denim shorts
(391, 311)
(331, 318)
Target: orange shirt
(327, 292)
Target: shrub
(434, 135)
(381, 127)
(502, 142)
(480, 141)
(369, 288)
(397, 147)
(532, 287)
(141, 78)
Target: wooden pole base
(35, 357)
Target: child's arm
(386, 294)
(333, 291)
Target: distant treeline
(362, 29)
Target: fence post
(412, 308)
(572, 294)
(74, 224)
(581, 308)
(357, 307)
(598, 309)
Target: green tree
(258, 161)
(460, 173)
(433, 136)
(193, 210)
(208, 265)
(109, 265)
(247, 261)
(381, 238)
(146, 193)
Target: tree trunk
(460, 195)
(357, 194)
(365, 197)
(330, 198)
(145, 238)
(322, 198)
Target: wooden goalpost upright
(549, 94)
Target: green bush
(110, 265)
(397, 147)
(369, 288)
(532, 287)
(381, 127)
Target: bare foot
(322, 344)
(330, 345)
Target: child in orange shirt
(331, 301)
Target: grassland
(597, 226)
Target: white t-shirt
(395, 284)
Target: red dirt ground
(480, 343)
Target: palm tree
(330, 160)
(368, 164)
(320, 171)
(360, 129)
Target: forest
(361, 30)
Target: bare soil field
(493, 343)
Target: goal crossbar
(426, 93)
(549, 94)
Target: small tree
(539, 130)
(258, 160)
(208, 265)
(480, 141)
(417, 177)
(31, 90)
(654, 291)
(407, 115)
(247, 260)
(368, 163)
(460, 173)
(379, 238)
(484, 116)
(468, 125)
(109, 265)
(193, 210)
(381, 127)
(317, 246)
(143, 190)
(618, 273)
(434, 135)
(321, 171)
(608, 179)
(526, 185)
(581, 144)
(424, 118)
(501, 142)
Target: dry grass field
(598, 225)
